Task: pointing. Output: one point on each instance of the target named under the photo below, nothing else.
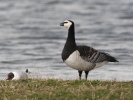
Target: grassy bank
(52, 89)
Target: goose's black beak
(61, 24)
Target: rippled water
(30, 35)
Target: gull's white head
(67, 23)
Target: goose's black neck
(70, 45)
(71, 35)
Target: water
(30, 36)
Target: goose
(82, 58)
(16, 75)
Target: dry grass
(53, 89)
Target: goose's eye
(65, 22)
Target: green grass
(53, 89)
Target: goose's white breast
(76, 62)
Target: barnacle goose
(16, 75)
(82, 58)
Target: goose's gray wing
(91, 55)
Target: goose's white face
(66, 24)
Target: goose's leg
(86, 74)
(80, 74)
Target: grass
(53, 89)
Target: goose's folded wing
(91, 55)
